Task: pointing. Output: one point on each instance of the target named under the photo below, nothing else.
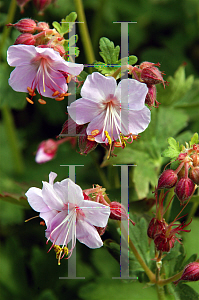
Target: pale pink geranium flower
(103, 108)
(66, 214)
(40, 68)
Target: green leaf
(186, 292)
(109, 52)
(66, 24)
(173, 149)
(194, 139)
(132, 59)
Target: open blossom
(109, 117)
(67, 214)
(42, 69)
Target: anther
(41, 101)
(108, 137)
(29, 100)
(94, 132)
(68, 79)
(59, 98)
(55, 93)
(117, 144)
(91, 138)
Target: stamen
(117, 144)
(59, 98)
(65, 94)
(43, 83)
(31, 92)
(123, 140)
(31, 218)
(59, 251)
(94, 132)
(91, 138)
(29, 100)
(55, 94)
(68, 79)
(41, 101)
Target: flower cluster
(163, 234)
(40, 5)
(185, 177)
(68, 214)
(148, 73)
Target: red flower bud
(42, 25)
(25, 38)
(194, 175)
(190, 273)
(25, 25)
(150, 74)
(21, 4)
(164, 243)
(46, 151)
(151, 96)
(118, 211)
(184, 189)
(156, 227)
(167, 179)
(41, 5)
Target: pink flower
(40, 68)
(101, 107)
(66, 214)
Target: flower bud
(164, 243)
(194, 175)
(42, 26)
(41, 5)
(190, 273)
(150, 74)
(184, 189)
(46, 151)
(21, 4)
(151, 96)
(156, 227)
(118, 211)
(167, 179)
(25, 25)
(25, 38)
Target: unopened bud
(43, 26)
(167, 179)
(184, 189)
(164, 243)
(118, 211)
(151, 96)
(46, 151)
(25, 38)
(194, 175)
(190, 273)
(21, 4)
(150, 74)
(25, 25)
(41, 5)
(156, 227)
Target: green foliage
(110, 55)
(66, 24)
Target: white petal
(88, 235)
(68, 191)
(139, 120)
(95, 213)
(52, 177)
(50, 197)
(48, 216)
(35, 200)
(98, 87)
(18, 55)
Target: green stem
(193, 209)
(168, 199)
(160, 292)
(83, 28)
(12, 140)
(149, 273)
(10, 18)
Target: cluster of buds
(185, 177)
(148, 73)
(38, 34)
(163, 234)
(40, 5)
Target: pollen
(29, 100)
(108, 137)
(31, 92)
(117, 144)
(59, 251)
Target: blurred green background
(166, 32)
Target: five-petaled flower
(113, 112)
(67, 214)
(42, 69)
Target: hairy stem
(83, 28)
